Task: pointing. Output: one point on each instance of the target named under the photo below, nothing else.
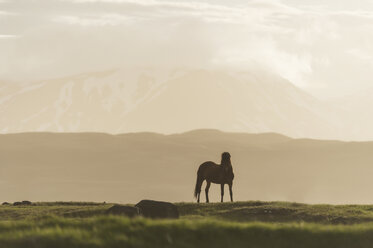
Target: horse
(214, 173)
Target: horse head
(225, 156)
(226, 161)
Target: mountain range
(129, 167)
(171, 101)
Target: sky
(324, 47)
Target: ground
(239, 224)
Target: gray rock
(157, 209)
(22, 203)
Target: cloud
(8, 36)
(305, 42)
(6, 13)
(94, 20)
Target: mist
(307, 42)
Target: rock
(123, 210)
(26, 203)
(22, 203)
(5, 203)
(157, 209)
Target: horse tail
(199, 182)
(197, 189)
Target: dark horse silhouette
(214, 173)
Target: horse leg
(207, 191)
(222, 191)
(230, 191)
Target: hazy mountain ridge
(357, 112)
(130, 167)
(167, 101)
(87, 102)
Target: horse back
(208, 165)
(214, 173)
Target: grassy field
(239, 224)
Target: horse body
(214, 173)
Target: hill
(129, 167)
(277, 224)
(166, 101)
(357, 111)
(232, 102)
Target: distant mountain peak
(167, 101)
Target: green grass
(239, 224)
(279, 212)
(112, 231)
(63, 209)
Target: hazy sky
(324, 46)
